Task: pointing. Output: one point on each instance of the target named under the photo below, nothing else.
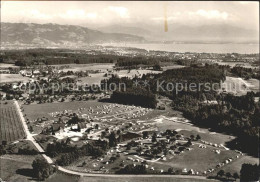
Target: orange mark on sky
(165, 19)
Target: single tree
(145, 134)
(198, 137)
(235, 175)
(221, 173)
(170, 170)
(228, 175)
(154, 138)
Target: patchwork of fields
(10, 123)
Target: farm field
(11, 125)
(7, 78)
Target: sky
(136, 13)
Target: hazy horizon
(100, 13)
(187, 21)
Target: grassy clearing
(199, 159)
(6, 78)
(5, 65)
(16, 167)
(92, 78)
(85, 67)
(239, 86)
(236, 165)
(61, 177)
(140, 179)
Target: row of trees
(228, 175)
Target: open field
(92, 78)
(124, 178)
(4, 65)
(143, 179)
(132, 73)
(11, 127)
(199, 159)
(34, 111)
(16, 167)
(236, 165)
(168, 67)
(243, 64)
(239, 86)
(84, 67)
(61, 177)
(253, 84)
(7, 78)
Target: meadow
(7, 78)
(16, 167)
(240, 86)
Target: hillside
(55, 35)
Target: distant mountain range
(44, 35)
(188, 33)
(126, 30)
(54, 34)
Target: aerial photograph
(129, 91)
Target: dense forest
(63, 56)
(138, 97)
(245, 73)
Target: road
(67, 171)
(129, 176)
(29, 135)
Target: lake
(198, 48)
